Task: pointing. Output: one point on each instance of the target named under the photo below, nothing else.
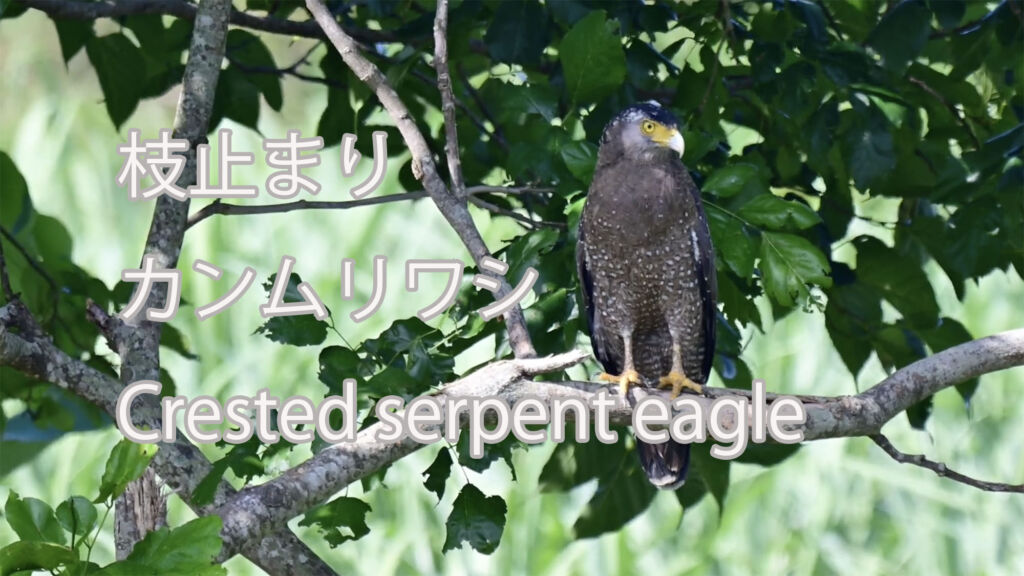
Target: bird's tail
(665, 464)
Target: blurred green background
(836, 507)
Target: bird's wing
(707, 282)
(598, 341)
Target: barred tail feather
(665, 464)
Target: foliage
(854, 107)
(61, 542)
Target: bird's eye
(647, 127)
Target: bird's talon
(625, 380)
(677, 382)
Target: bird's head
(644, 132)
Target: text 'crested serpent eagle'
(647, 269)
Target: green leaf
(518, 33)
(592, 59)
(899, 279)
(572, 463)
(206, 489)
(730, 180)
(852, 315)
(237, 98)
(949, 13)
(300, 330)
(775, 213)
(77, 515)
(437, 473)
(26, 556)
(73, 35)
(338, 118)
(411, 346)
(951, 333)
(788, 264)
(869, 146)
(767, 454)
(477, 519)
(126, 463)
(119, 66)
(340, 520)
(188, 549)
(732, 240)
(623, 492)
(248, 53)
(713, 472)
(336, 364)
(11, 9)
(580, 158)
(901, 34)
(15, 201)
(172, 338)
(33, 520)
(513, 102)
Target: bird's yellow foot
(625, 380)
(677, 381)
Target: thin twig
(949, 106)
(29, 258)
(444, 86)
(497, 133)
(239, 209)
(525, 220)
(941, 469)
(473, 116)
(970, 26)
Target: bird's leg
(629, 374)
(677, 379)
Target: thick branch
(241, 209)
(454, 209)
(78, 10)
(256, 509)
(444, 86)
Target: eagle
(646, 269)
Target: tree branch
(25, 347)
(454, 209)
(78, 10)
(215, 208)
(525, 220)
(137, 341)
(940, 469)
(444, 86)
(256, 509)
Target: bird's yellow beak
(676, 142)
(670, 138)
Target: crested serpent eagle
(647, 270)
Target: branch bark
(444, 86)
(139, 346)
(254, 510)
(454, 209)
